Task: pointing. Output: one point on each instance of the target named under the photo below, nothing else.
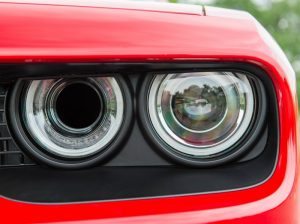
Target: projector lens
(201, 114)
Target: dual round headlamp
(195, 118)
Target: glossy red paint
(66, 33)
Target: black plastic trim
(135, 174)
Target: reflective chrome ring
(163, 129)
(51, 100)
(64, 143)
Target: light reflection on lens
(201, 113)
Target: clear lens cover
(201, 113)
(55, 136)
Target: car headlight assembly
(70, 123)
(203, 118)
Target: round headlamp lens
(199, 104)
(203, 113)
(73, 118)
(77, 105)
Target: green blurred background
(280, 17)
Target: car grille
(10, 154)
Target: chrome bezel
(51, 111)
(39, 135)
(180, 145)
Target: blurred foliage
(280, 17)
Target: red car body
(62, 31)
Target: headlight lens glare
(201, 114)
